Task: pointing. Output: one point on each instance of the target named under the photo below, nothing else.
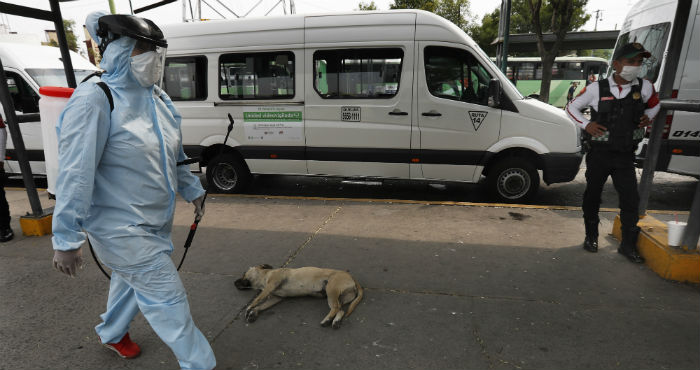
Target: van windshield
(654, 38)
(55, 77)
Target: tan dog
(337, 286)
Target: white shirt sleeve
(651, 98)
(587, 97)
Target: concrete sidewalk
(446, 287)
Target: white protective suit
(117, 182)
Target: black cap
(631, 50)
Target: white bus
(526, 74)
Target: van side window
(256, 76)
(185, 78)
(456, 74)
(357, 73)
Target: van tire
(513, 180)
(226, 173)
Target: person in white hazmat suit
(116, 185)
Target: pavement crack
(482, 346)
(312, 236)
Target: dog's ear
(265, 266)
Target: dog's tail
(358, 298)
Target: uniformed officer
(622, 105)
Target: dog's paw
(336, 324)
(251, 316)
(325, 323)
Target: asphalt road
(669, 192)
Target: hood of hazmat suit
(117, 170)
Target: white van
(650, 22)
(393, 94)
(28, 67)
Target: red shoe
(125, 348)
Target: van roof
(24, 56)
(289, 29)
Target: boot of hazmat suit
(116, 184)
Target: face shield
(148, 57)
(147, 63)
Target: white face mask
(629, 73)
(147, 68)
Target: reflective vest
(621, 118)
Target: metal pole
(62, 44)
(506, 33)
(665, 89)
(692, 229)
(16, 134)
(111, 7)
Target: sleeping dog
(337, 286)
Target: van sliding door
(359, 97)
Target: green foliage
(367, 6)
(69, 26)
(428, 5)
(72, 40)
(521, 22)
(455, 11)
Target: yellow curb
(671, 263)
(36, 226)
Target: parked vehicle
(651, 23)
(399, 94)
(526, 74)
(28, 67)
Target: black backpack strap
(102, 86)
(91, 75)
(105, 88)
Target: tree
(455, 11)
(559, 22)
(485, 33)
(429, 5)
(521, 22)
(72, 40)
(366, 6)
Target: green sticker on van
(272, 116)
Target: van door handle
(397, 112)
(432, 113)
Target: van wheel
(512, 180)
(227, 174)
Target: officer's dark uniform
(612, 154)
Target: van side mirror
(494, 93)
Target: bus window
(526, 71)
(571, 71)
(654, 39)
